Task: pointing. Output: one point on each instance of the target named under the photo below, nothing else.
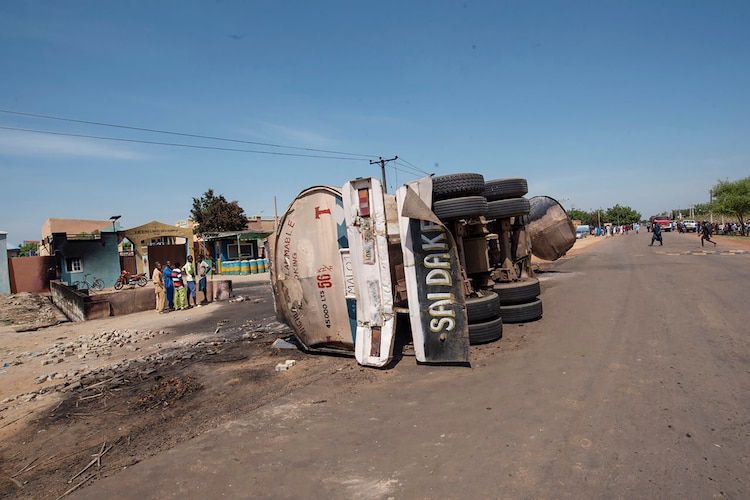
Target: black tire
(460, 208)
(142, 281)
(97, 284)
(521, 313)
(456, 185)
(502, 189)
(118, 285)
(480, 309)
(480, 333)
(502, 209)
(517, 292)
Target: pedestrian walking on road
(188, 271)
(159, 290)
(203, 269)
(168, 285)
(656, 235)
(706, 233)
(179, 288)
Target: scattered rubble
(95, 345)
(282, 367)
(283, 344)
(118, 374)
(29, 311)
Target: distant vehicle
(690, 226)
(582, 231)
(664, 222)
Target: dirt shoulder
(140, 391)
(739, 242)
(578, 247)
(138, 384)
(28, 311)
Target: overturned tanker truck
(446, 259)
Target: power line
(182, 134)
(414, 166)
(412, 169)
(181, 145)
(407, 172)
(415, 169)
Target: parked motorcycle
(130, 279)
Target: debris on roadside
(95, 345)
(29, 311)
(286, 365)
(283, 344)
(168, 391)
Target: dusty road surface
(636, 383)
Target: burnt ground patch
(143, 407)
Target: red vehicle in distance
(664, 222)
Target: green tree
(28, 248)
(622, 215)
(213, 214)
(581, 215)
(733, 198)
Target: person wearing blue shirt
(166, 273)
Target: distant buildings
(82, 249)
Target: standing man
(656, 235)
(203, 269)
(168, 285)
(188, 271)
(179, 288)
(158, 282)
(706, 233)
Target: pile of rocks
(95, 345)
(29, 311)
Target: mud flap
(364, 211)
(437, 310)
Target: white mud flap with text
(364, 211)
(437, 310)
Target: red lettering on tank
(319, 212)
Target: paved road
(635, 384)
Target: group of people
(705, 229)
(727, 228)
(174, 285)
(620, 229)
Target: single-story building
(82, 249)
(233, 252)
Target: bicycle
(84, 284)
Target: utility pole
(382, 163)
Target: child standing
(179, 288)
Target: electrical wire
(411, 169)
(181, 145)
(406, 172)
(182, 134)
(412, 165)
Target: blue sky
(596, 103)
